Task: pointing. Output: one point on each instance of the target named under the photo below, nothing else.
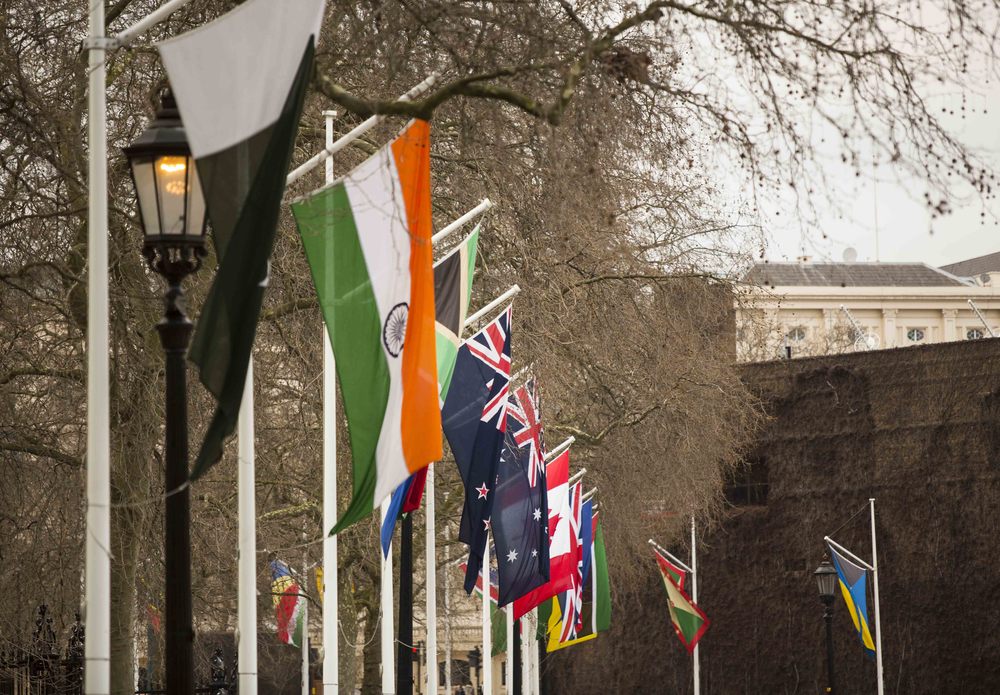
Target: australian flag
(474, 418)
(520, 511)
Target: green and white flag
(239, 83)
(452, 294)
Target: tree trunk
(126, 531)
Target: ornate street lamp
(826, 582)
(172, 214)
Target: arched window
(796, 334)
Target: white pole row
(246, 602)
(354, 134)
(486, 660)
(451, 228)
(670, 556)
(559, 449)
(126, 37)
(388, 642)
(97, 572)
(331, 590)
(696, 655)
(879, 671)
(509, 294)
(576, 476)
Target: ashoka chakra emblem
(394, 330)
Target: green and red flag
(690, 622)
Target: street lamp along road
(826, 582)
(172, 215)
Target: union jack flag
(524, 407)
(573, 615)
(488, 347)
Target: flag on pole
(854, 588)
(519, 514)
(677, 574)
(452, 294)
(239, 83)
(562, 550)
(602, 587)
(596, 611)
(587, 526)
(475, 419)
(289, 604)
(572, 601)
(373, 228)
(528, 432)
(689, 621)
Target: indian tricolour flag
(368, 241)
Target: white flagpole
(878, 619)
(454, 226)
(359, 130)
(508, 667)
(97, 573)
(527, 639)
(696, 668)
(533, 653)
(430, 564)
(331, 593)
(559, 449)
(509, 294)
(305, 636)
(447, 607)
(388, 620)
(486, 662)
(247, 591)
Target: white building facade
(799, 309)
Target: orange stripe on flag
(421, 417)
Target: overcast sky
(906, 231)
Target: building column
(889, 328)
(949, 316)
(826, 340)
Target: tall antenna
(875, 200)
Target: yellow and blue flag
(854, 587)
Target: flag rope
(849, 520)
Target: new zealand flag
(520, 511)
(474, 419)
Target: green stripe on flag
(603, 599)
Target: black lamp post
(172, 213)
(826, 581)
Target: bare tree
(595, 124)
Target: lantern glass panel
(171, 184)
(196, 203)
(145, 188)
(826, 581)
